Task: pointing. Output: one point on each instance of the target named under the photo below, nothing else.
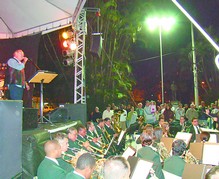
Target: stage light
(67, 35)
(68, 61)
(72, 45)
(67, 53)
(65, 44)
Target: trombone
(81, 150)
(91, 148)
(103, 145)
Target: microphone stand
(38, 68)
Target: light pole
(162, 24)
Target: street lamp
(164, 23)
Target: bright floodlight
(165, 23)
(217, 61)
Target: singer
(16, 81)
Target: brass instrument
(102, 145)
(83, 151)
(91, 148)
(72, 161)
(116, 127)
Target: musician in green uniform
(175, 164)
(49, 168)
(72, 137)
(64, 160)
(84, 167)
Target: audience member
(180, 111)
(191, 112)
(107, 112)
(96, 115)
(149, 115)
(132, 116)
(168, 114)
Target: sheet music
(210, 154)
(142, 169)
(184, 136)
(128, 152)
(120, 137)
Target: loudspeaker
(11, 138)
(30, 117)
(77, 112)
(96, 44)
(58, 115)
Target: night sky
(146, 61)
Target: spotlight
(65, 44)
(217, 61)
(72, 45)
(67, 35)
(67, 53)
(68, 61)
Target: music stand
(42, 76)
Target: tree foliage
(109, 78)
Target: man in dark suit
(49, 168)
(194, 129)
(84, 167)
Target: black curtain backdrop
(30, 46)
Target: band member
(81, 139)
(101, 131)
(72, 136)
(49, 168)
(116, 167)
(91, 132)
(148, 152)
(178, 149)
(108, 127)
(64, 161)
(84, 167)
(92, 137)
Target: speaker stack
(96, 44)
(11, 138)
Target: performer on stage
(16, 79)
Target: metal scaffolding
(79, 74)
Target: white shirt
(107, 114)
(53, 159)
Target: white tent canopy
(25, 17)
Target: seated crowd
(95, 150)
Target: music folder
(140, 168)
